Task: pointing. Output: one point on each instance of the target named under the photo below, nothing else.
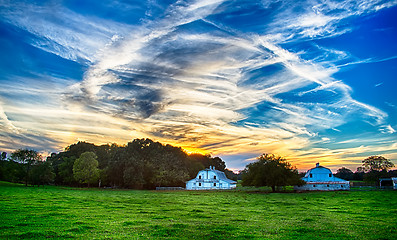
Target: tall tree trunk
(273, 188)
(27, 174)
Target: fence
(169, 188)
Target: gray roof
(222, 176)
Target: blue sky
(313, 81)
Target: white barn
(210, 178)
(322, 179)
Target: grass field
(56, 212)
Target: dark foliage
(368, 171)
(344, 173)
(26, 166)
(141, 164)
(11, 171)
(42, 173)
(377, 163)
(27, 158)
(231, 175)
(272, 171)
(375, 167)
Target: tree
(377, 163)
(26, 157)
(42, 173)
(344, 173)
(359, 174)
(231, 175)
(208, 161)
(85, 168)
(218, 163)
(142, 163)
(272, 171)
(65, 170)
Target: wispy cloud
(387, 129)
(6, 123)
(190, 78)
(62, 32)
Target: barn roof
(220, 175)
(321, 174)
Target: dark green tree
(231, 175)
(11, 171)
(218, 163)
(142, 163)
(63, 162)
(344, 173)
(376, 167)
(79, 148)
(377, 163)
(207, 161)
(359, 174)
(3, 165)
(42, 173)
(133, 177)
(65, 170)
(193, 166)
(272, 171)
(374, 175)
(27, 158)
(85, 168)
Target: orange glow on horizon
(302, 160)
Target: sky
(312, 81)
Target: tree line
(275, 172)
(140, 164)
(373, 168)
(145, 164)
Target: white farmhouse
(210, 179)
(322, 179)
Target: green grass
(57, 212)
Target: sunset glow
(313, 81)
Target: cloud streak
(190, 77)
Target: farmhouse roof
(220, 175)
(321, 174)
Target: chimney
(317, 164)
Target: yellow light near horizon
(192, 150)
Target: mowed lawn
(57, 212)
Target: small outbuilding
(321, 179)
(388, 182)
(209, 179)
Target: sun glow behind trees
(228, 78)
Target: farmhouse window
(214, 177)
(341, 186)
(327, 185)
(199, 176)
(314, 185)
(199, 184)
(330, 175)
(311, 175)
(214, 184)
